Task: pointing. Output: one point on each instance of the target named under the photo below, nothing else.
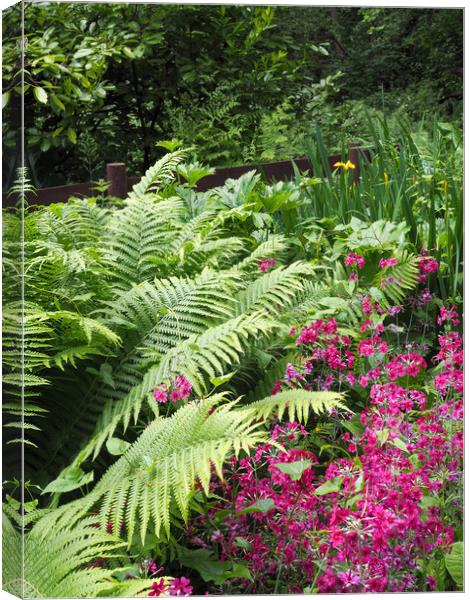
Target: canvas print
(232, 299)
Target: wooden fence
(120, 184)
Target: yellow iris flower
(345, 166)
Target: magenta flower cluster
(387, 262)
(374, 517)
(427, 265)
(265, 264)
(178, 586)
(179, 390)
(354, 259)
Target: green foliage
(454, 562)
(124, 297)
(297, 404)
(156, 475)
(61, 567)
(242, 84)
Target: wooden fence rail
(120, 184)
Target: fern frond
(276, 246)
(297, 404)
(173, 309)
(211, 353)
(162, 467)
(61, 567)
(396, 281)
(160, 174)
(155, 317)
(215, 254)
(198, 358)
(276, 290)
(137, 235)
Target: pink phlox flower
(265, 264)
(449, 314)
(387, 262)
(158, 588)
(394, 310)
(291, 373)
(179, 586)
(354, 259)
(160, 393)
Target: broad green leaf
(70, 479)
(82, 52)
(123, 573)
(71, 134)
(454, 563)
(359, 483)
(399, 443)
(211, 569)
(5, 99)
(58, 102)
(40, 94)
(116, 446)
(263, 505)
(170, 145)
(242, 543)
(330, 486)
(382, 436)
(354, 425)
(13, 502)
(295, 470)
(217, 381)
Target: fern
(276, 246)
(157, 474)
(199, 358)
(297, 404)
(396, 281)
(163, 465)
(61, 567)
(33, 342)
(159, 174)
(154, 317)
(275, 290)
(138, 234)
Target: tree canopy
(104, 82)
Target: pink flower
(158, 588)
(291, 373)
(430, 580)
(180, 587)
(448, 315)
(175, 395)
(366, 347)
(366, 306)
(363, 380)
(354, 259)
(265, 264)
(353, 276)
(160, 394)
(183, 385)
(427, 265)
(424, 297)
(382, 348)
(387, 262)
